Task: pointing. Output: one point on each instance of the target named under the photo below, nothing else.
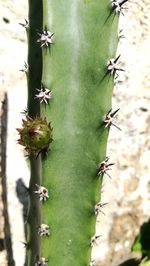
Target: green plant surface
(75, 69)
(34, 81)
(137, 245)
(147, 263)
(142, 243)
(77, 42)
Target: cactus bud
(35, 135)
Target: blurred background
(125, 224)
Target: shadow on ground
(141, 244)
(22, 194)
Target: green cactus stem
(34, 81)
(78, 42)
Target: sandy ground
(13, 53)
(128, 191)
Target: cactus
(66, 129)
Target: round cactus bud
(35, 134)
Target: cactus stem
(69, 170)
(98, 208)
(109, 119)
(42, 193)
(104, 167)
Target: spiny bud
(41, 262)
(35, 135)
(42, 192)
(43, 230)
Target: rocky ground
(128, 192)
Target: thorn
(98, 208)
(24, 112)
(114, 112)
(121, 35)
(92, 263)
(42, 193)
(43, 230)
(46, 38)
(25, 25)
(45, 151)
(109, 118)
(94, 240)
(38, 154)
(25, 69)
(104, 167)
(113, 66)
(123, 2)
(27, 156)
(41, 261)
(44, 94)
(26, 245)
(118, 6)
(117, 58)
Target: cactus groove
(78, 40)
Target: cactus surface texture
(71, 87)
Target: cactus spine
(78, 42)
